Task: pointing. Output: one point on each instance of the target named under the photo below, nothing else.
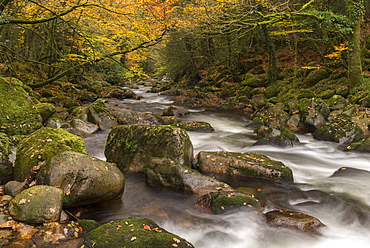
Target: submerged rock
(133, 232)
(131, 147)
(243, 166)
(166, 172)
(295, 220)
(38, 204)
(83, 179)
(38, 148)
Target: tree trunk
(354, 63)
(272, 68)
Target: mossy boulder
(336, 102)
(293, 220)
(197, 126)
(131, 147)
(243, 166)
(341, 130)
(39, 147)
(167, 173)
(99, 114)
(133, 232)
(253, 81)
(46, 110)
(170, 120)
(18, 115)
(219, 202)
(175, 111)
(360, 146)
(38, 204)
(316, 76)
(271, 114)
(277, 135)
(313, 112)
(83, 179)
(125, 116)
(6, 168)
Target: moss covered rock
(125, 116)
(219, 202)
(18, 113)
(198, 126)
(167, 173)
(175, 111)
(313, 112)
(99, 114)
(38, 204)
(294, 220)
(6, 168)
(243, 166)
(336, 102)
(277, 135)
(316, 76)
(133, 232)
(46, 110)
(131, 147)
(41, 146)
(83, 179)
(341, 130)
(360, 146)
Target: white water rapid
(341, 202)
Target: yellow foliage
(337, 54)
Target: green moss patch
(133, 232)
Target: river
(341, 202)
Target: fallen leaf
(118, 227)
(176, 240)
(23, 201)
(175, 245)
(133, 238)
(146, 227)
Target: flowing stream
(341, 202)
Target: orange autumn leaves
(95, 28)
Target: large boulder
(38, 148)
(232, 165)
(271, 114)
(340, 129)
(99, 114)
(18, 114)
(6, 168)
(46, 110)
(293, 220)
(133, 232)
(83, 179)
(38, 204)
(167, 173)
(131, 147)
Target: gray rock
(167, 173)
(83, 179)
(100, 115)
(234, 165)
(6, 150)
(131, 147)
(294, 220)
(175, 111)
(38, 204)
(13, 188)
(82, 128)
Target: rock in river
(243, 166)
(83, 179)
(131, 147)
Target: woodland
(210, 44)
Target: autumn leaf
(133, 238)
(23, 201)
(146, 227)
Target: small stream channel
(342, 203)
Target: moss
(195, 126)
(88, 225)
(41, 146)
(18, 115)
(133, 232)
(225, 202)
(46, 110)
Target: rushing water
(341, 202)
